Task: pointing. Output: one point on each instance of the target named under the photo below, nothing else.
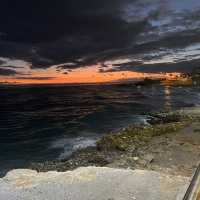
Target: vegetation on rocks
(137, 136)
(170, 117)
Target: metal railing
(193, 191)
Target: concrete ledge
(92, 183)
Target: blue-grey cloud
(185, 66)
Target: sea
(49, 122)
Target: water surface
(39, 123)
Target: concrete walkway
(92, 183)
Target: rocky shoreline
(142, 147)
(156, 160)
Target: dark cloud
(183, 66)
(53, 32)
(7, 72)
(79, 33)
(40, 21)
(10, 66)
(120, 67)
(34, 78)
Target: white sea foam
(140, 119)
(70, 145)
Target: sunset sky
(94, 41)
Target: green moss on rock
(137, 136)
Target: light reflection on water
(167, 95)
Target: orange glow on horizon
(82, 75)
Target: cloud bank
(71, 34)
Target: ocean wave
(70, 145)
